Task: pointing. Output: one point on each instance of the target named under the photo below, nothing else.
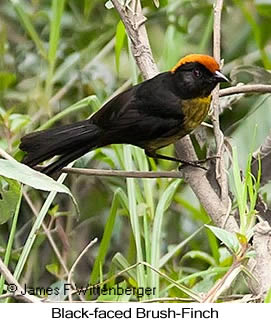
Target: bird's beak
(221, 77)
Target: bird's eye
(197, 73)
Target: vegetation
(59, 62)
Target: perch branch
(221, 175)
(120, 173)
(250, 88)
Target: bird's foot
(193, 164)
(197, 163)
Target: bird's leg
(201, 161)
(195, 163)
(198, 162)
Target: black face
(193, 80)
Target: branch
(250, 88)
(120, 173)
(194, 176)
(199, 183)
(89, 245)
(221, 175)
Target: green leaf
(229, 239)
(113, 295)
(105, 243)
(200, 255)
(242, 239)
(55, 27)
(120, 37)
(135, 221)
(53, 269)
(122, 263)
(204, 285)
(29, 27)
(9, 198)
(35, 227)
(11, 239)
(177, 248)
(240, 189)
(6, 80)
(57, 8)
(26, 175)
(76, 107)
(18, 121)
(211, 272)
(88, 5)
(264, 7)
(162, 206)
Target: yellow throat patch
(195, 111)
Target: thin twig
(120, 173)
(222, 284)
(6, 295)
(120, 273)
(92, 242)
(161, 274)
(168, 299)
(250, 88)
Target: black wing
(141, 114)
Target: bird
(152, 114)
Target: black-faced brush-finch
(150, 115)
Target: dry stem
(221, 175)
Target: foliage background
(49, 60)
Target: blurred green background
(53, 54)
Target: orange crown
(208, 61)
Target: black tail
(69, 142)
